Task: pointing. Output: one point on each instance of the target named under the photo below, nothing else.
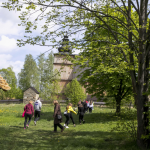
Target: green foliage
(41, 68)
(74, 92)
(45, 66)
(49, 79)
(55, 92)
(2, 95)
(29, 76)
(19, 93)
(129, 125)
(103, 84)
(102, 65)
(9, 75)
(103, 68)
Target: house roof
(33, 90)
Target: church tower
(63, 65)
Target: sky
(10, 53)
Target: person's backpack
(65, 112)
(85, 104)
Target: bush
(127, 123)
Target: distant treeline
(36, 73)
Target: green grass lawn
(95, 134)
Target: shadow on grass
(101, 117)
(15, 138)
(44, 115)
(16, 127)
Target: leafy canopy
(74, 92)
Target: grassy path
(95, 134)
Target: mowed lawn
(95, 134)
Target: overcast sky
(10, 53)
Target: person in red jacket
(29, 113)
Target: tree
(104, 85)
(2, 95)
(41, 68)
(19, 93)
(56, 87)
(102, 66)
(49, 86)
(74, 92)
(9, 75)
(75, 16)
(47, 77)
(29, 77)
(48, 71)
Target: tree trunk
(143, 121)
(118, 103)
(142, 99)
(140, 80)
(118, 98)
(143, 79)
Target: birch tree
(29, 77)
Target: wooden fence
(19, 101)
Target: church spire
(65, 47)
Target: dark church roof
(65, 46)
(33, 90)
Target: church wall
(60, 59)
(63, 84)
(77, 71)
(66, 72)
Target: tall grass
(95, 134)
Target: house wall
(29, 95)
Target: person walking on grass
(90, 106)
(81, 113)
(84, 105)
(29, 113)
(71, 117)
(79, 104)
(87, 105)
(69, 110)
(57, 112)
(67, 115)
(37, 108)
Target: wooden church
(65, 67)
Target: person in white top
(90, 106)
(37, 108)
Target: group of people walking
(88, 105)
(83, 107)
(29, 112)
